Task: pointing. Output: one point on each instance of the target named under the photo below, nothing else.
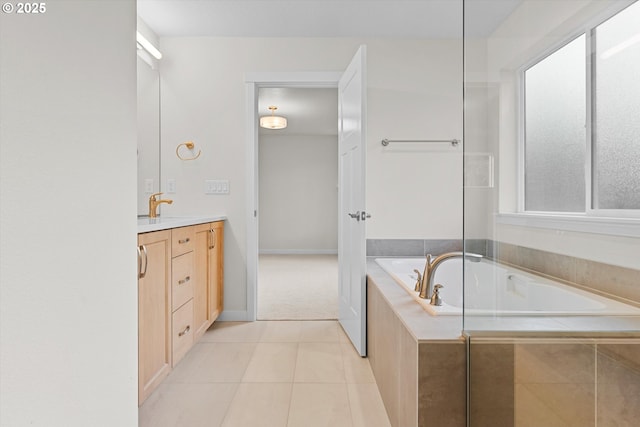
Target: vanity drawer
(182, 339)
(182, 240)
(182, 279)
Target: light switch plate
(216, 186)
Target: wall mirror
(148, 130)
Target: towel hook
(190, 146)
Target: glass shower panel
(617, 109)
(551, 315)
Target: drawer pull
(183, 241)
(142, 271)
(185, 332)
(185, 280)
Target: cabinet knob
(186, 331)
(183, 281)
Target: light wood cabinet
(154, 310)
(183, 277)
(209, 286)
(180, 294)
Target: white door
(351, 215)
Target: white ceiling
(324, 18)
(314, 111)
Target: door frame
(253, 82)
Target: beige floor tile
(234, 332)
(320, 405)
(272, 362)
(181, 373)
(356, 368)
(281, 331)
(342, 335)
(319, 362)
(264, 405)
(295, 373)
(367, 409)
(319, 331)
(192, 405)
(213, 362)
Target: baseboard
(233, 316)
(298, 251)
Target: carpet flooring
(297, 287)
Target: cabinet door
(201, 285)
(154, 311)
(216, 270)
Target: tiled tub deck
(516, 365)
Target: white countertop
(147, 224)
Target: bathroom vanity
(180, 291)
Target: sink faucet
(426, 285)
(153, 204)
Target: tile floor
(268, 373)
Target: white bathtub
(493, 289)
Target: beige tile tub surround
(618, 379)
(491, 384)
(523, 382)
(608, 279)
(558, 376)
(269, 374)
(555, 382)
(419, 361)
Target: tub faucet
(426, 286)
(153, 204)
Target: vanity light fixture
(146, 45)
(272, 121)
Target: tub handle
(419, 281)
(435, 298)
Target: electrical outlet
(171, 185)
(148, 185)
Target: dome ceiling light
(273, 121)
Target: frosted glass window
(616, 130)
(555, 99)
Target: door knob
(355, 216)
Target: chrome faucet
(153, 204)
(426, 285)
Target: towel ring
(190, 145)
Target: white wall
(298, 188)
(534, 28)
(68, 309)
(414, 92)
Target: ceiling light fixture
(146, 44)
(272, 121)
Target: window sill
(627, 227)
